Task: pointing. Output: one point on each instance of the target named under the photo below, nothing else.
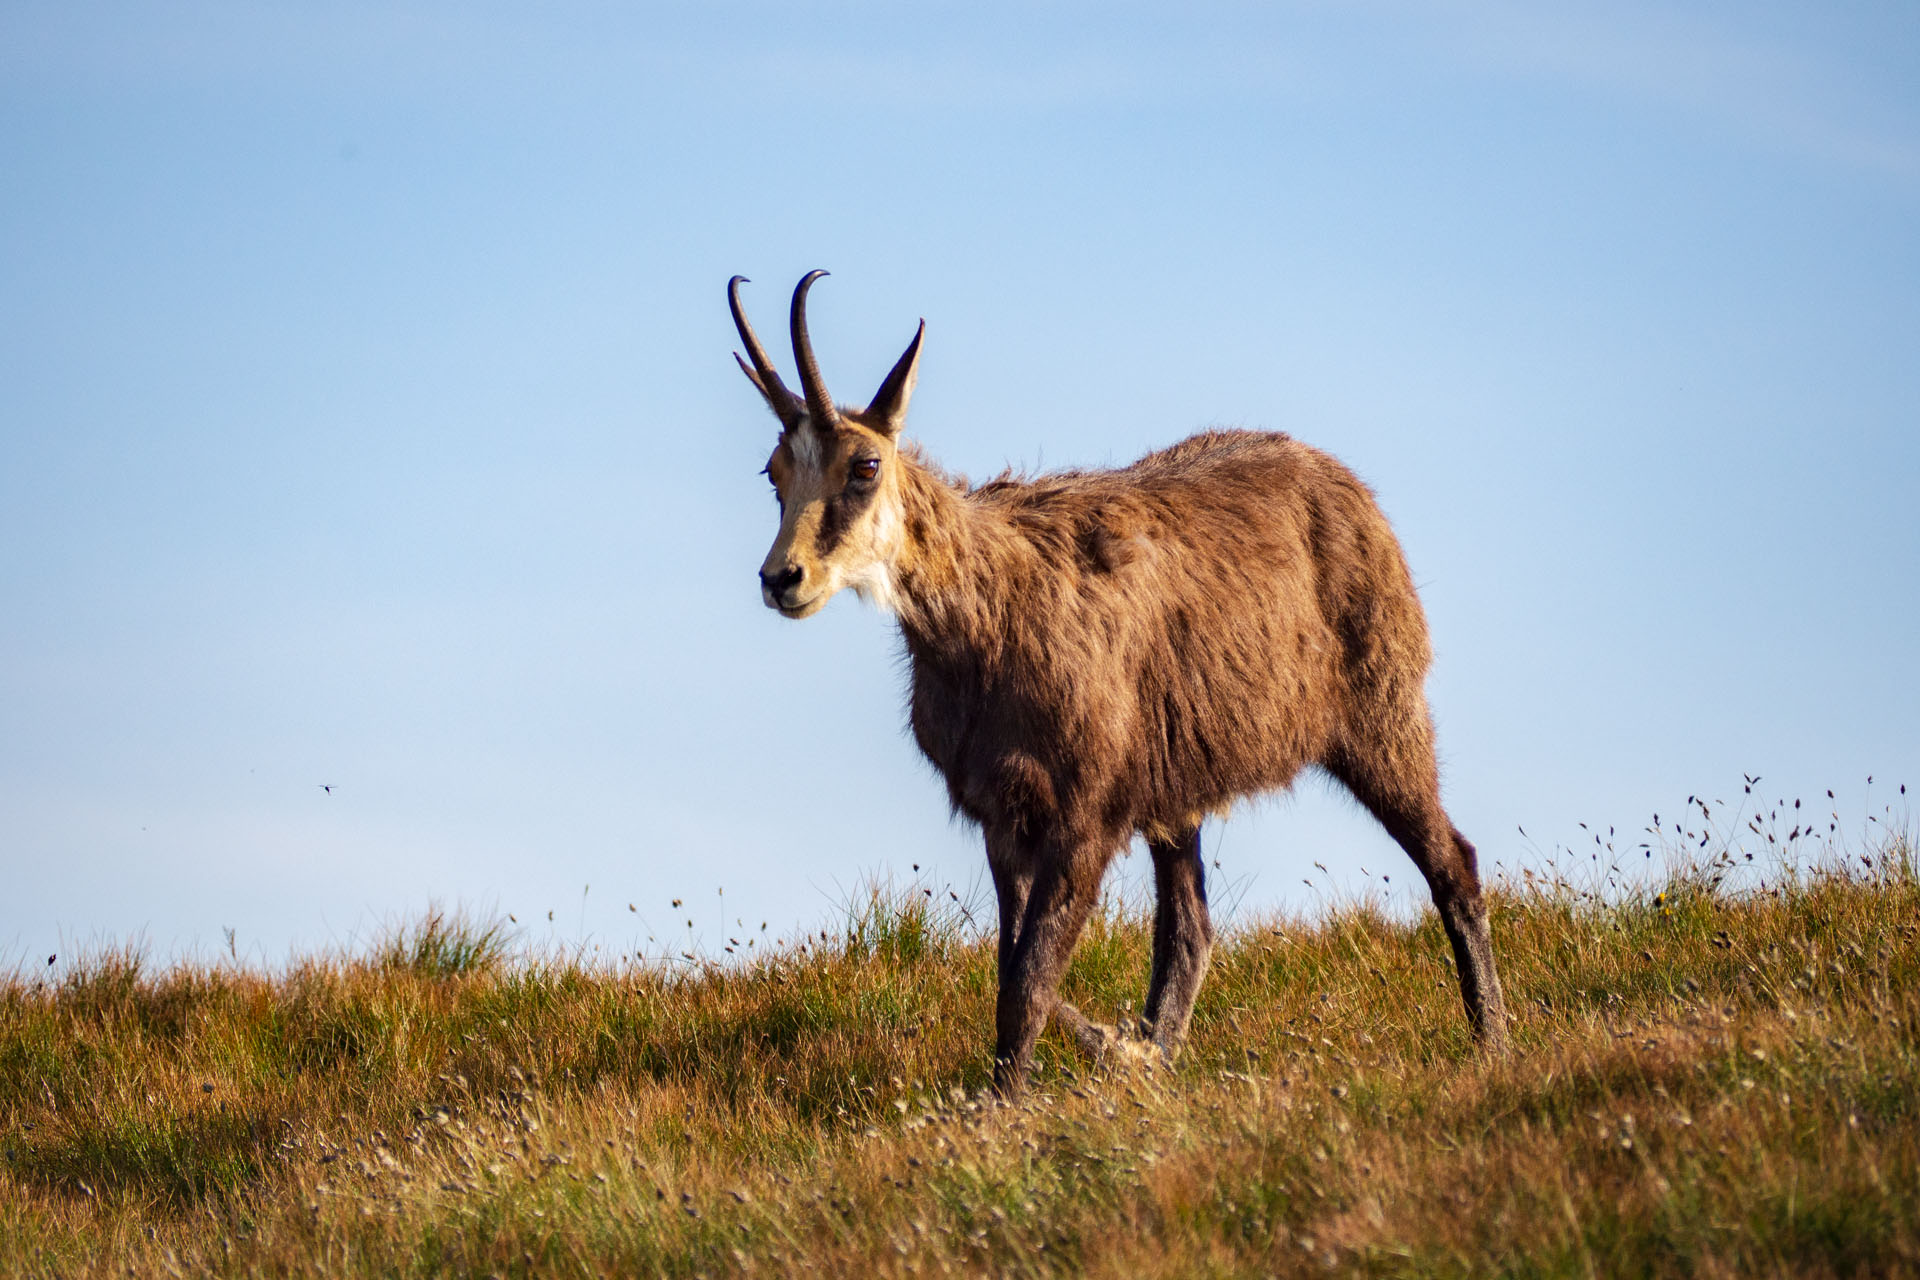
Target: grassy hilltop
(1718, 1076)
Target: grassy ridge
(1709, 1081)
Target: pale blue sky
(367, 418)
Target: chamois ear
(888, 411)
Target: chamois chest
(987, 742)
(1022, 742)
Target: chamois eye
(865, 468)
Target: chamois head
(834, 471)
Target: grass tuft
(442, 945)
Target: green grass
(1717, 1075)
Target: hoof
(1113, 1048)
(1132, 1054)
(1108, 1046)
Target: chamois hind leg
(1058, 903)
(1399, 783)
(1182, 938)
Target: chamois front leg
(1056, 911)
(1012, 866)
(1182, 939)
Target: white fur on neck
(874, 581)
(875, 585)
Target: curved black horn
(819, 403)
(785, 404)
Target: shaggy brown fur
(1100, 653)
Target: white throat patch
(874, 583)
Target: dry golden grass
(1714, 1080)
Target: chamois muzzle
(776, 584)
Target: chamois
(1100, 653)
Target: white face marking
(804, 445)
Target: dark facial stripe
(842, 510)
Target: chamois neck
(956, 567)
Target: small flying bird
(327, 787)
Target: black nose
(781, 581)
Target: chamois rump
(1100, 653)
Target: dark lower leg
(1011, 886)
(1464, 915)
(1415, 819)
(1182, 938)
(1056, 911)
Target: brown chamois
(1099, 653)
